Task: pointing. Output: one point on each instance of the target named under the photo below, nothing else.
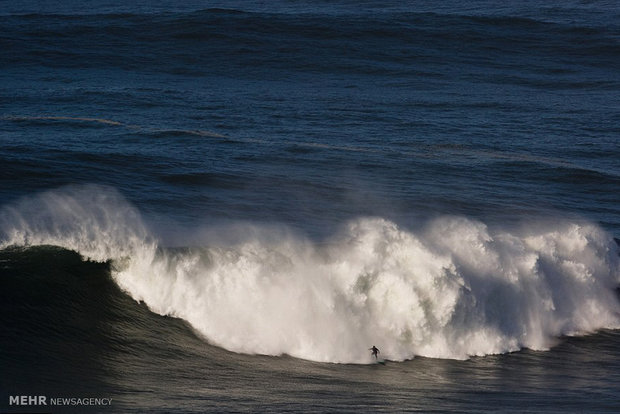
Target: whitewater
(452, 288)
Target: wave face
(453, 289)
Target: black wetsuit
(375, 351)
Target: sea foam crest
(451, 290)
(95, 221)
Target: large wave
(453, 289)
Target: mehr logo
(27, 400)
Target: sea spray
(94, 220)
(453, 289)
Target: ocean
(220, 206)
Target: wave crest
(95, 221)
(453, 289)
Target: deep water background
(313, 114)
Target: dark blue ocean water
(221, 205)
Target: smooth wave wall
(454, 289)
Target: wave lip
(94, 220)
(455, 289)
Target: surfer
(375, 351)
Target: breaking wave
(453, 289)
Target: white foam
(452, 290)
(93, 220)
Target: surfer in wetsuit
(375, 351)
